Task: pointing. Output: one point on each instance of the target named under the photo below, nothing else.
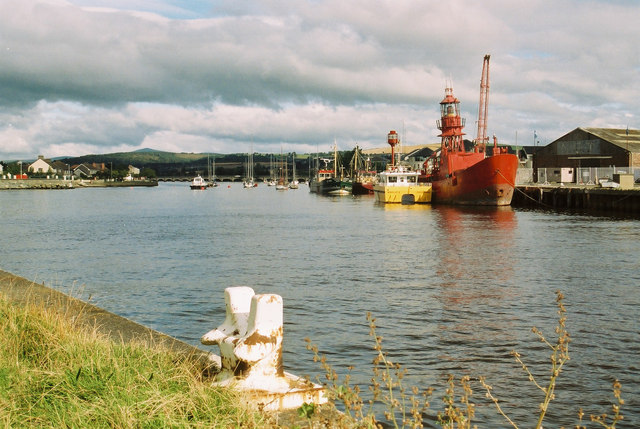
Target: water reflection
(406, 207)
(475, 244)
(475, 271)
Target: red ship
(469, 177)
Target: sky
(82, 77)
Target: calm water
(453, 290)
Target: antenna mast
(483, 106)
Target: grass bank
(54, 373)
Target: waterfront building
(585, 149)
(41, 165)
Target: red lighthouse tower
(450, 123)
(466, 177)
(392, 139)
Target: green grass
(55, 374)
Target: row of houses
(46, 166)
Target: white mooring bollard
(250, 341)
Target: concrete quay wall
(36, 184)
(20, 290)
(625, 201)
(68, 184)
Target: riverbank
(22, 291)
(58, 370)
(8, 184)
(98, 331)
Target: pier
(71, 184)
(583, 197)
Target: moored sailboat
(282, 183)
(249, 181)
(364, 178)
(211, 166)
(294, 184)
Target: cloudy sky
(99, 76)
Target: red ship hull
(362, 188)
(488, 182)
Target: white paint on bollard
(250, 341)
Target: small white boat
(198, 183)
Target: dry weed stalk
(402, 409)
(457, 417)
(601, 419)
(387, 388)
(559, 356)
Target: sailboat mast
(335, 159)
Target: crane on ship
(483, 106)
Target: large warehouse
(592, 147)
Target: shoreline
(21, 290)
(17, 184)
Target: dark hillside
(172, 164)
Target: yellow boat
(399, 184)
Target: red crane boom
(483, 106)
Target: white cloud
(101, 76)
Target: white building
(40, 166)
(133, 171)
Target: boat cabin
(398, 176)
(324, 174)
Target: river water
(453, 290)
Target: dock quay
(21, 290)
(582, 197)
(71, 184)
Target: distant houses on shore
(85, 170)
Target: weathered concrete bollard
(250, 340)
(238, 305)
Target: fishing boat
(323, 181)
(198, 183)
(364, 178)
(469, 176)
(326, 180)
(399, 183)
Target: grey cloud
(305, 72)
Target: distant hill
(168, 164)
(141, 158)
(172, 164)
